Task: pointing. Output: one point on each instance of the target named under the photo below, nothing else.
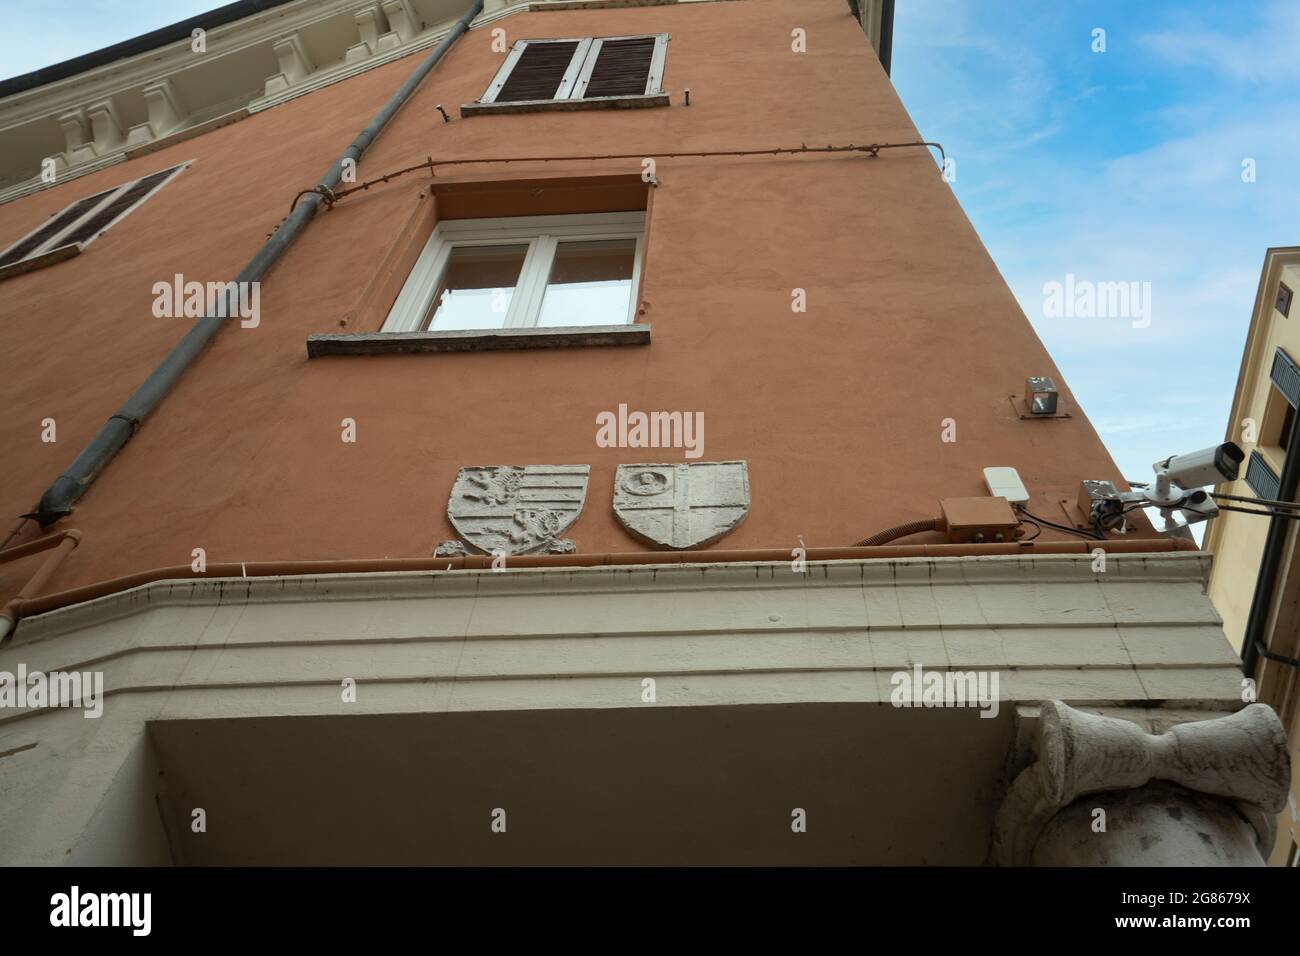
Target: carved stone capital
(1240, 759)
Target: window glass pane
(477, 286)
(590, 283)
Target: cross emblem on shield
(682, 505)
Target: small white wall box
(1006, 483)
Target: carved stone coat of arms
(682, 505)
(513, 509)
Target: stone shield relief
(513, 509)
(682, 505)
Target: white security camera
(1176, 492)
(1179, 474)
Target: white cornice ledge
(1037, 580)
(89, 111)
(141, 86)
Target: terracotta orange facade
(829, 324)
(840, 410)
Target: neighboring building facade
(1263, 423)
(387, 573)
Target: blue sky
(1122, 166)
(38, 33)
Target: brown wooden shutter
(622, 67)
(538, 72)
(52, 228)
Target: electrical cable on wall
(872, 150)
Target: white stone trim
(1142, 634)
(147, 76)
(72, 97)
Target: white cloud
(1052, 189)
(1263, 55)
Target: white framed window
(580, 69)
(82, 222)
(524, 272)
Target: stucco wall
(838, 410)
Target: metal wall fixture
(1040, 395)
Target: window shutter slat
(100, 220)
(539, 72)
(1261, 478)
(1286, 376)
(622, 67)
(52, 228)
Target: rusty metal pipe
(63, 544)
(872, 149)
(37, 546)
(901, 531)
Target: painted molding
(1142, 634)
(88, 106)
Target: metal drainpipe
(59, 498)
(1261, 605)
(63, 543)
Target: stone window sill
(485, 340)
(594, 103)
(40, 262)
(596, 4)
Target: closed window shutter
(1286, 376)
(622, 67)
(1261, 478)
(538, 73)
(52, 228)
(104, 217)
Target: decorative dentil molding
(87, 111)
